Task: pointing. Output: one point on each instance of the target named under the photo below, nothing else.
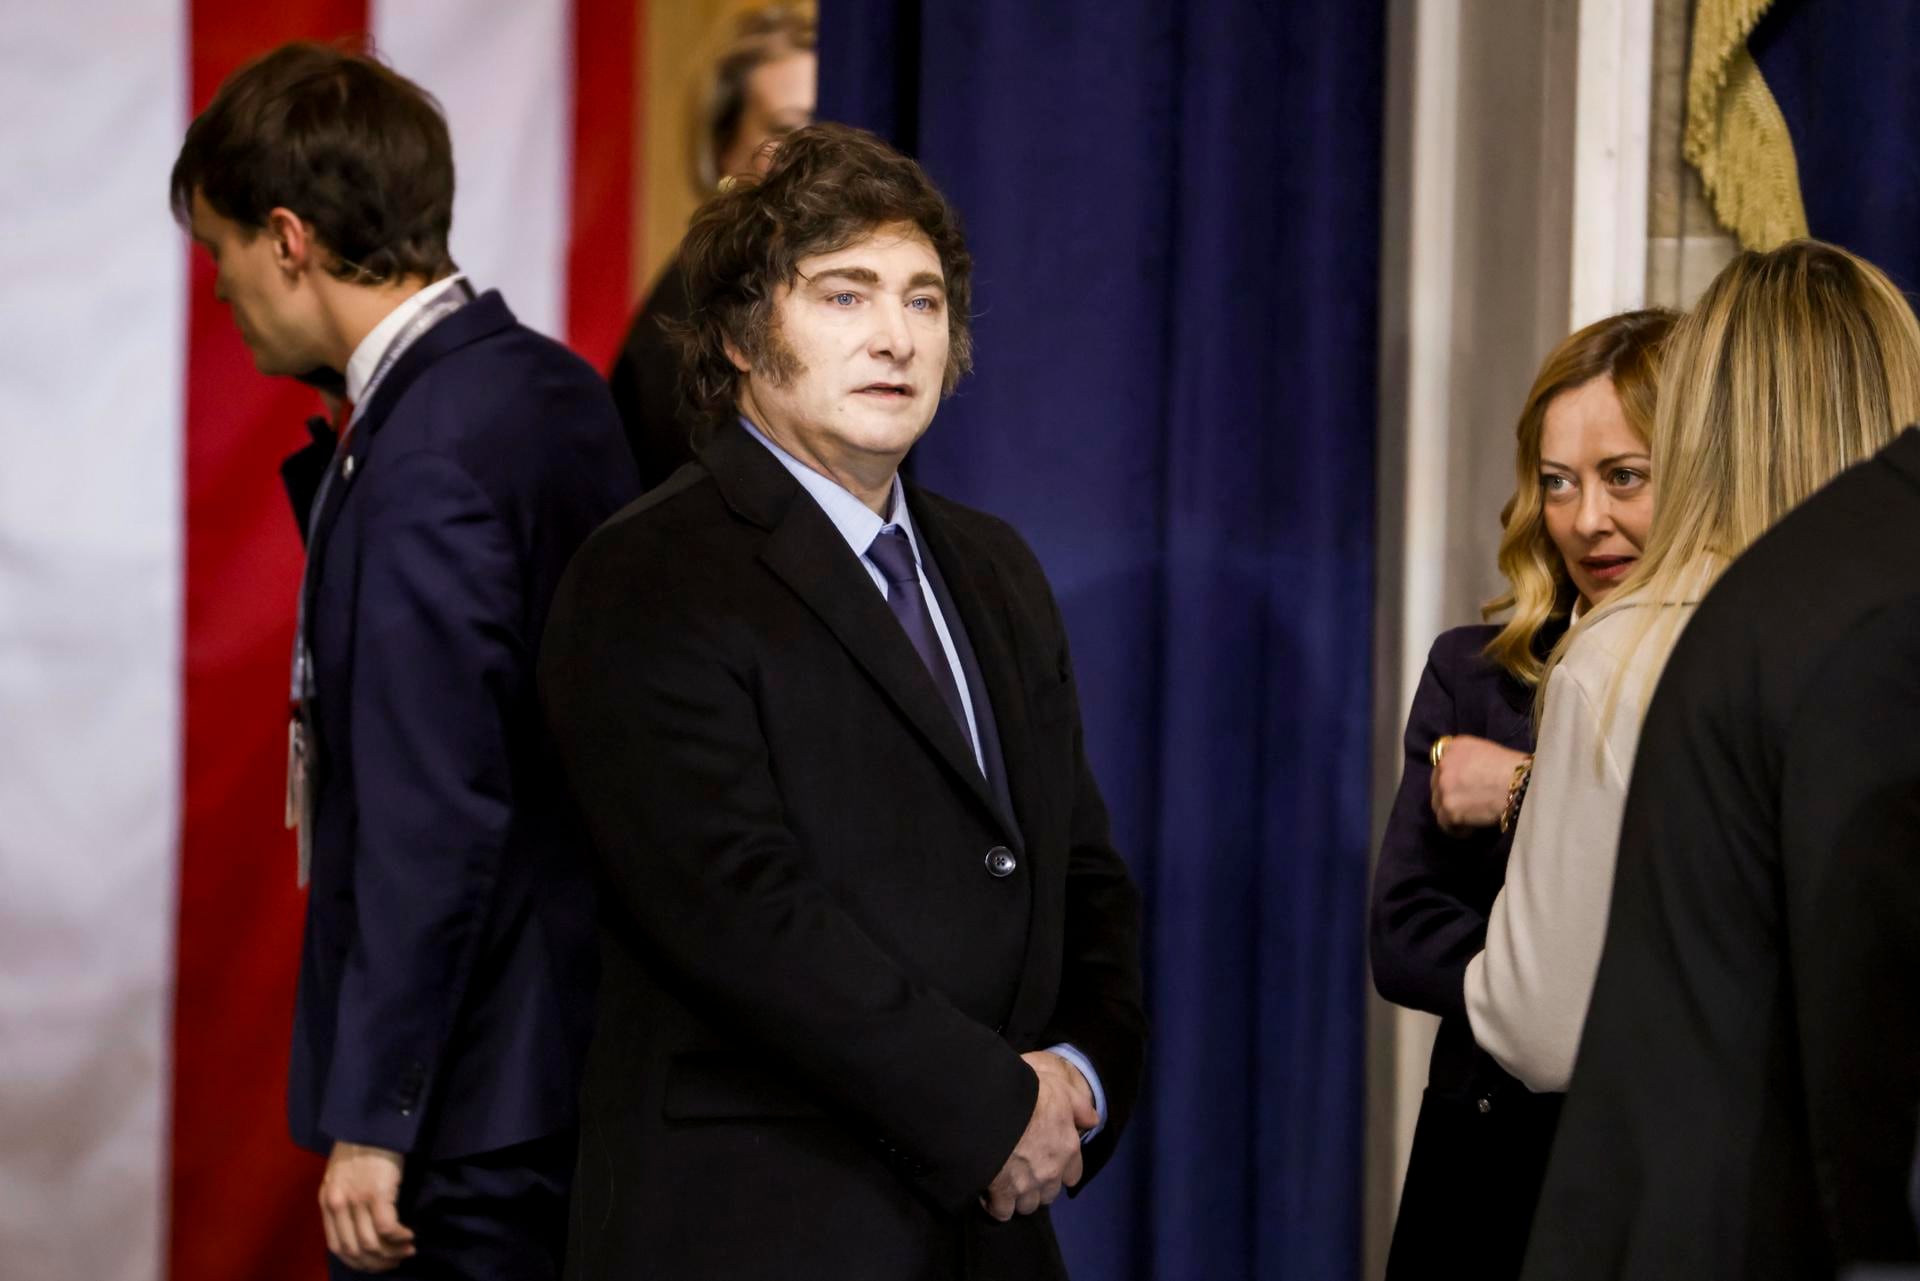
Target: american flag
(149, 921)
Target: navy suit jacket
(446, 978)
(1432, 891)
(1480, 1147)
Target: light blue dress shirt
(859, 525)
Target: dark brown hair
(762, 36)
(829, 185)
(348, 144)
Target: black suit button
(1001, 862)
(1486, 1106)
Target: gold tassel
(1736, 136)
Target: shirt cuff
(1085, 1065)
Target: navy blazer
(446, 979)
(1432, 891)
(1480, 1146)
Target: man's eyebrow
(868, 276)
(859, 275)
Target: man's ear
(734, 354)
(294, 245)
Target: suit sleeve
(1422, 933)
(652, 705)
(438, 663)
(1527, 992)
(1101, 1012)
(1851, 872)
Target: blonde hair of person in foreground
(1794, 365)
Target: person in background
(1582, 500)
(447, 970)
(1748, 1085)
(873, 994)
(761, 89)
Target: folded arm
(1422, 932)
(1527, 991)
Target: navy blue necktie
(893, 554)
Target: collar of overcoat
(807, 553)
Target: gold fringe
(1736, 136)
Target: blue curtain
(1174, 210)
(1844, 76)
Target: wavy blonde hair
(1626, 349)
(1794, 365)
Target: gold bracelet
(1438, 750)
(1516, 792)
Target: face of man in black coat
(856, 357)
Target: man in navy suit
(447, 972)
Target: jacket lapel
(482, 318)
(806, 552)
(978, 595)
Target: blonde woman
(1577, 520)
(1749, 1079)
(1794, 365)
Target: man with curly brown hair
(872, 994)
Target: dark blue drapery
(1844, 76)
(1174, 209)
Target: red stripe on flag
(243, 1197)
(599, 244)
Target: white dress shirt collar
(366, 357)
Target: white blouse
(1527, 991)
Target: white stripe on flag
(503, 71)
(92, 365)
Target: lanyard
(430, 315)
(299, 727)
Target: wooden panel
(676, 46)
